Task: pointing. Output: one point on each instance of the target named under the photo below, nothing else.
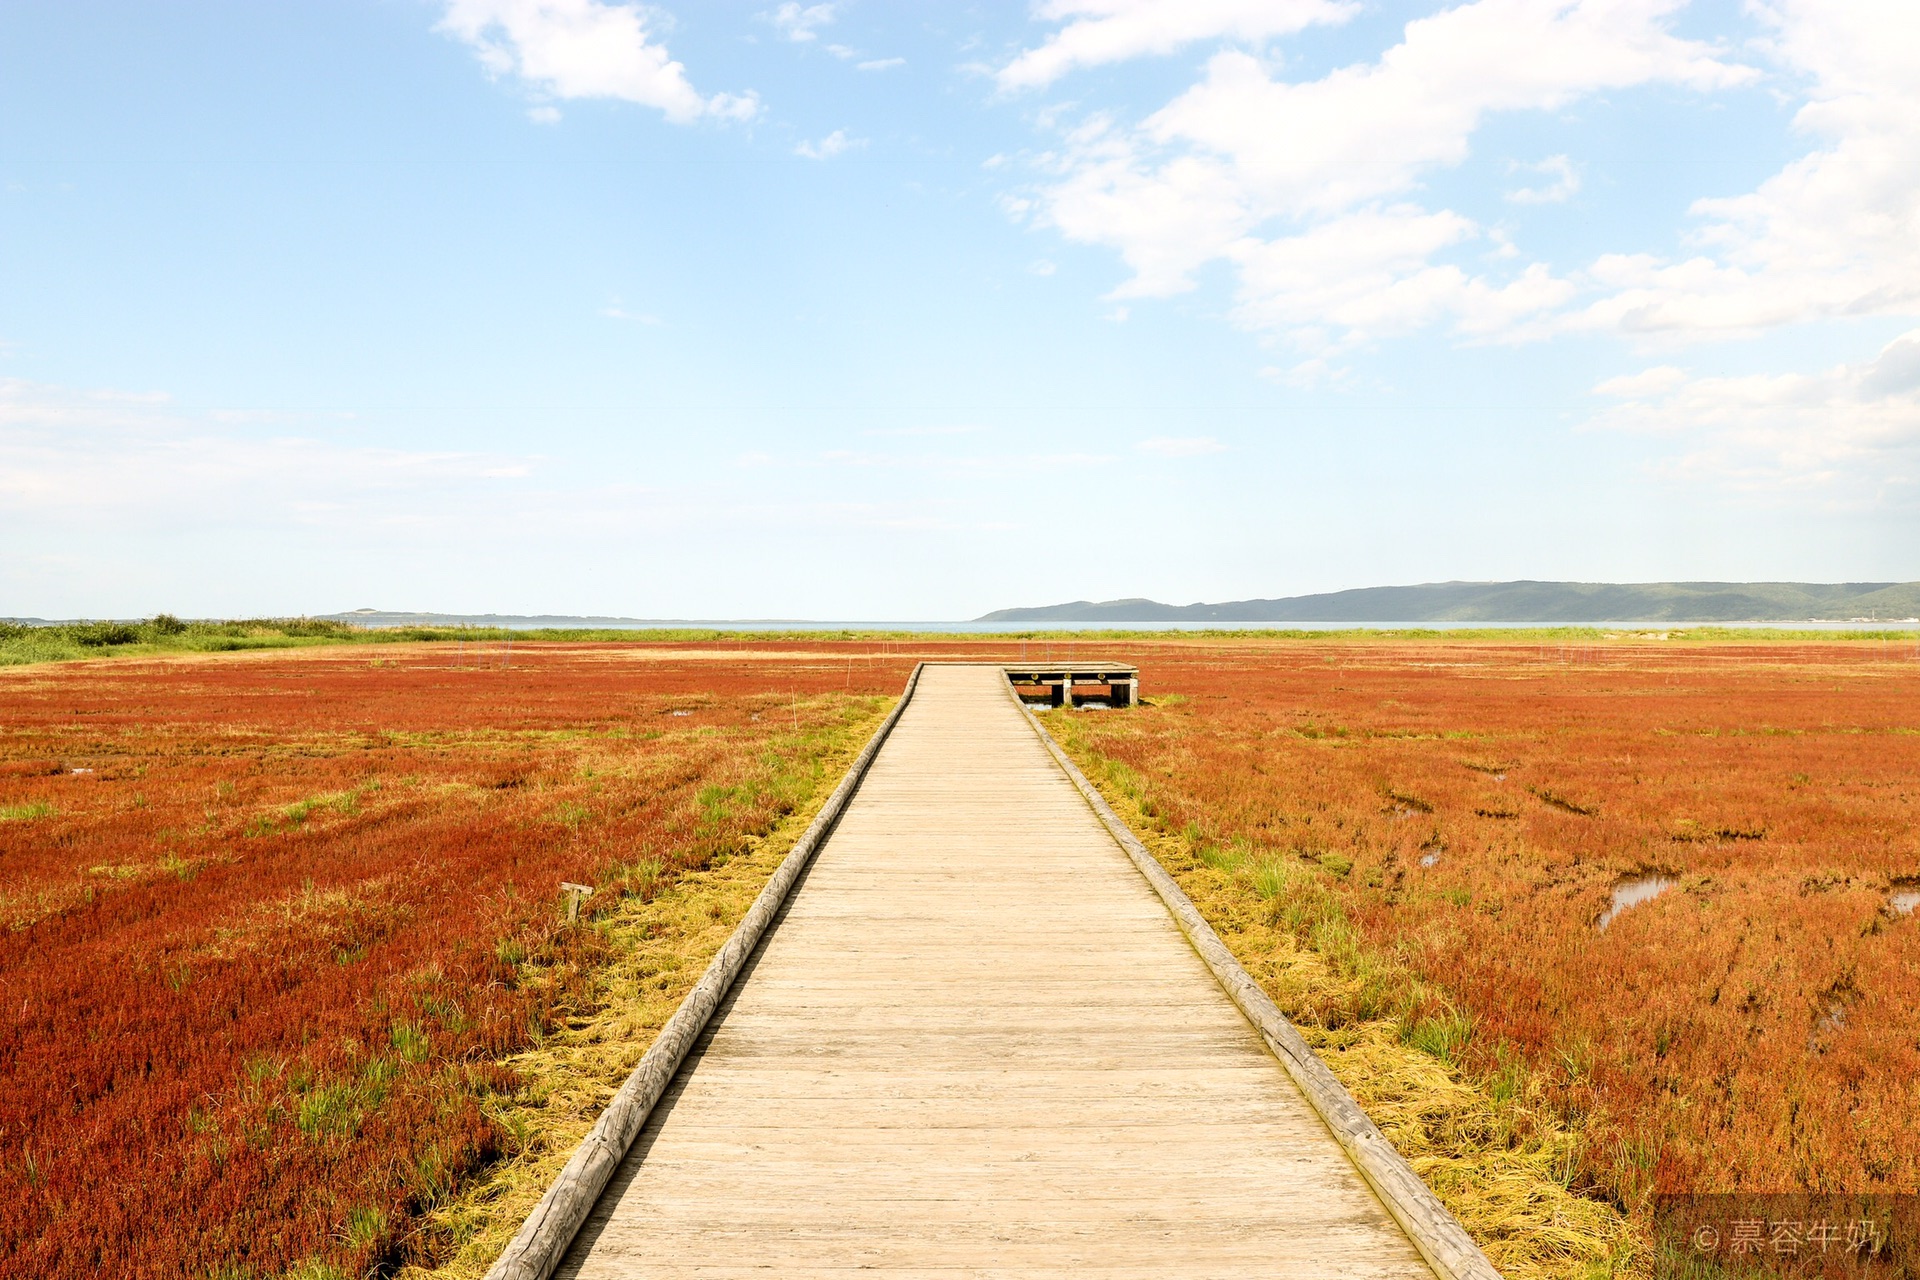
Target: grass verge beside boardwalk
(1498, 1160)
(282, 926)
(1451, 829)
(659, 947)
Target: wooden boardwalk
(977, 1045)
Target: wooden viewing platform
(1115, 683)
(976, 1043)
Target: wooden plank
(536, 1249)
(975, 1043)
(1434, 1231)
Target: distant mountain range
(514, 621)
(1556, 602)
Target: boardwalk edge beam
(1435, 1232)
(549, 1230)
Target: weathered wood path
(977, 1045)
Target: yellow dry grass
(1495, 1159)
(1499, 1161)
(662, 944)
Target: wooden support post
(575, 894)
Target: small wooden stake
(575, 892)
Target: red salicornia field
(1752, 1026)
(276, 922)
(272, 921)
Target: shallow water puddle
(1633, 891)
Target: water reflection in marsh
(1633, 891)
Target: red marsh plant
(1470, 809)
(272, 921)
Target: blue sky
(892, 311)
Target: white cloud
(1307, 188)
(116, 397)
(1180, 446)
(544, 115)
(1104, 31)
(952, 464)
(66, 455)
(1276, 179)
(830, 146)
(881, 64)
(1834, 233)
(1566, 181)
(1896, 370)
(801, 23)
(1649, 382)
(1042, 267)
(1308, 374)
(1852, 431)
(1369, 131)
(1310, 195)
(586, 49)
(1370, 273)
(964, 429)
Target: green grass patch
(22, 643)
(316, 1269)
(364, 1227)
(410, 1042)
(331, 1111)
(1444, 1037)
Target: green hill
(1543, 602)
